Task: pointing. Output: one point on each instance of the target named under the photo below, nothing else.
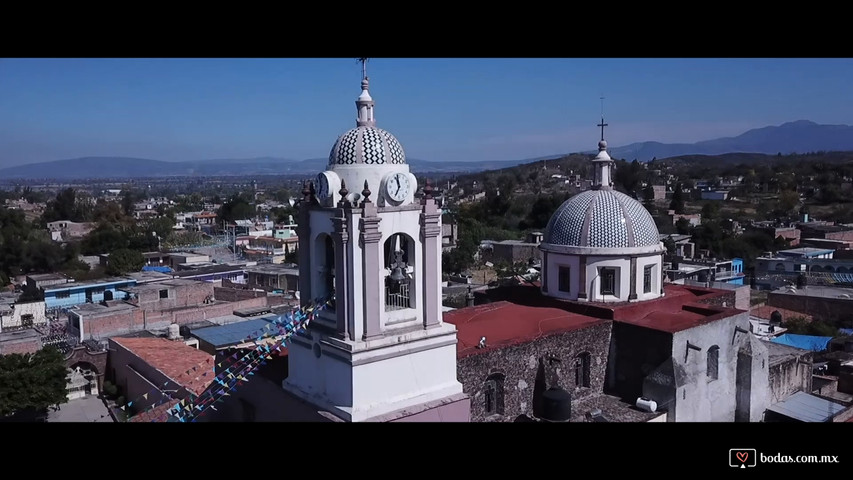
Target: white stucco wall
(593, 263)
(355, 175)
(702, 399)
(375, 380)
(552, 270)
(623, 278)
(656, 262)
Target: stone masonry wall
(520, 367)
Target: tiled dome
(366, 145)
(602, 219)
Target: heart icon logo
(742, 456)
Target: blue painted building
(737, 271)
(69, 294)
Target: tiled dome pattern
(602, 219)
(568, 232)
(367, 145)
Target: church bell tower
(380, 351)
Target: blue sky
(440, 109)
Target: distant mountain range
(802, 136)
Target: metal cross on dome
(363, 62)
(602, 124)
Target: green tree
(682, 226)
(104, 238)
(32, 381)
(711, 211)
(236, 208)
(669, 243)
(67, 206)
(124, 261)
(789, 202)
(677, 202)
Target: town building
(151, 371)
(156, 306)
(65, 295)
(513, 251)
(19, 315)
(66, 230)
(273, 278)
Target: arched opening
(324, 260)
(780, 267)
(82, 380)
(843, 270)
(582, 365)
(494, 394)
(108, 295)
(713, 367)
(400, 268)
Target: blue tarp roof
(846, 331)
(805, 342)
(156, 269)
(234, 333)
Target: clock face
(322, 186)
(397, 186)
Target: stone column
(632, 295)
(342, 286)
(543, 278)
(431, 262)
(582, 279)
(371, 266)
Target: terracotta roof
(174, 359)
(521, 314)
(764, 312)
(156, 414)
(504, 324)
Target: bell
(397, 275)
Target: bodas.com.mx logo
(742, 457)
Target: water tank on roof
(556, 405)
(174, 331)
(647, 405)
(776, 318)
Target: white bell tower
(381, 352)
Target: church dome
(602, 218)
(367, 145)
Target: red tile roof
(156, 414)
(764, 312)
(174, 359)
(505, 323)
(525, 314)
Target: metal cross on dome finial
(363, 67)
(602, 124)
